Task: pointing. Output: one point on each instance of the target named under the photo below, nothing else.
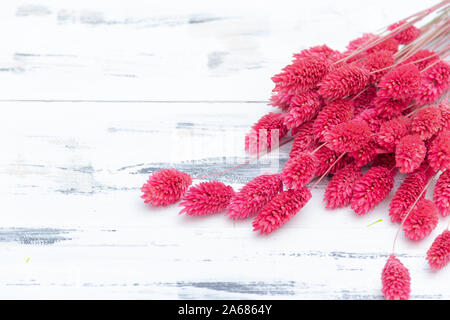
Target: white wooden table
(96, 95)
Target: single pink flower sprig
(281, 209)
(396, 280)
(303, 108)
(426, 122)
(407, 35)
(392, 131)
(406, 194)
(343, 82)
(422, 220)
(371, 189)
(438, 255)
(410, 152)
(259, 138)
(441, 193)
(439, 152)
(299, 170)
(401, 83)
(333, 113)
(339, 190)
(348, 136)
(165, 187)
(254, 196)
(206, 198)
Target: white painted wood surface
(96, 95)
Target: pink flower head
(395, 280)
(304, 107)
(298, 171)
(304, 74)
(206, 198)
(372, 118)
(333, 113)
(426, 122)
(441, 193)
(281, 209)
(325, 158)
(362, 101)
(340, 188)
(407, 35)
(400, 83)
(371, 189)
(165, 187)
(361, 42)
(409, 153)
(321, 51)
(348, 136)
(366, 153)
(389, 44)
(439, 151)
(421, 221)
(388, 107)
(422, 59)
(304, 138)
(392, 131)
(378, 64)
(254, 196)
(444, 106)
(282, 97)
(263, 129)
(344, 81)
(434, 82)
(439, 253)
(406, 194)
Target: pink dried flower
(372, 118)
(303, 139)
(322, 51)
(439, 253)
(409, 153)
(361, 42)
(298, 171)
(366, 153)
(421, 221)
(304, 107)
(377, 63)
(325, 157)
(281, 209)
(282, 97)
(340, 188)
(206, 198)
(348, 136)
(400, 83)
(407, 35)
(434, 81)
(439, 151)
(389, 108)
(371, 189)
(254, 196)
(392, 131)
(362, 101)
(264, 127)
(395, 280)
(422, 59)
(444, 106)
(333, 113)
(344, 81)
(165, 187)
(406, 195)
(303, 74)
(426, 122)
(389, 44)
(441, 193)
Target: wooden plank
(154, 50)
(73, 225)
